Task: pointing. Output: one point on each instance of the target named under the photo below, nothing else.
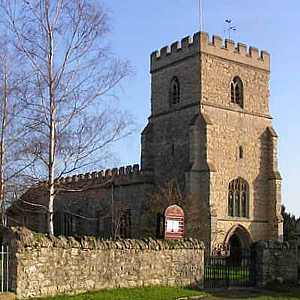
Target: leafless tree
(115, 213)
(121, 219)
(165, 196)
(69, 96)
(12, 128)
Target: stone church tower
(210, 129)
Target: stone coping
(28, 239)
(7, 296)
(272, 244)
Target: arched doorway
(236, 266)
(238, 241)
(235, 247)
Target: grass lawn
(220, 272)
(279, 294)
(151, 293)
(161, 293)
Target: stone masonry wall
(276, 262)
(229, 131)
(198, 140)
(43, 266)
(233, 127)
(167, 145)
(88, 199)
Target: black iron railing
(236, 270)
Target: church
(209, 132)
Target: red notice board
(174, 223)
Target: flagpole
(201, 15)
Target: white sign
(172, 226)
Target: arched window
(238, 198)
(174, 91)
(237, 93)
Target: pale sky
(140, 27)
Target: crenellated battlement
(201, 43)
(118, 175)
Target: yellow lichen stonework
(208, 140)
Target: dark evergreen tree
(289, 225)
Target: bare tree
(165, 196)
(121, 220)
(71, 86)
(114, 217)
(12, 128)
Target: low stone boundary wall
(7, 296)
(46, 265)
(275, 262)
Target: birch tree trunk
(52, 106)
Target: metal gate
(4, 270)
(237, 270)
